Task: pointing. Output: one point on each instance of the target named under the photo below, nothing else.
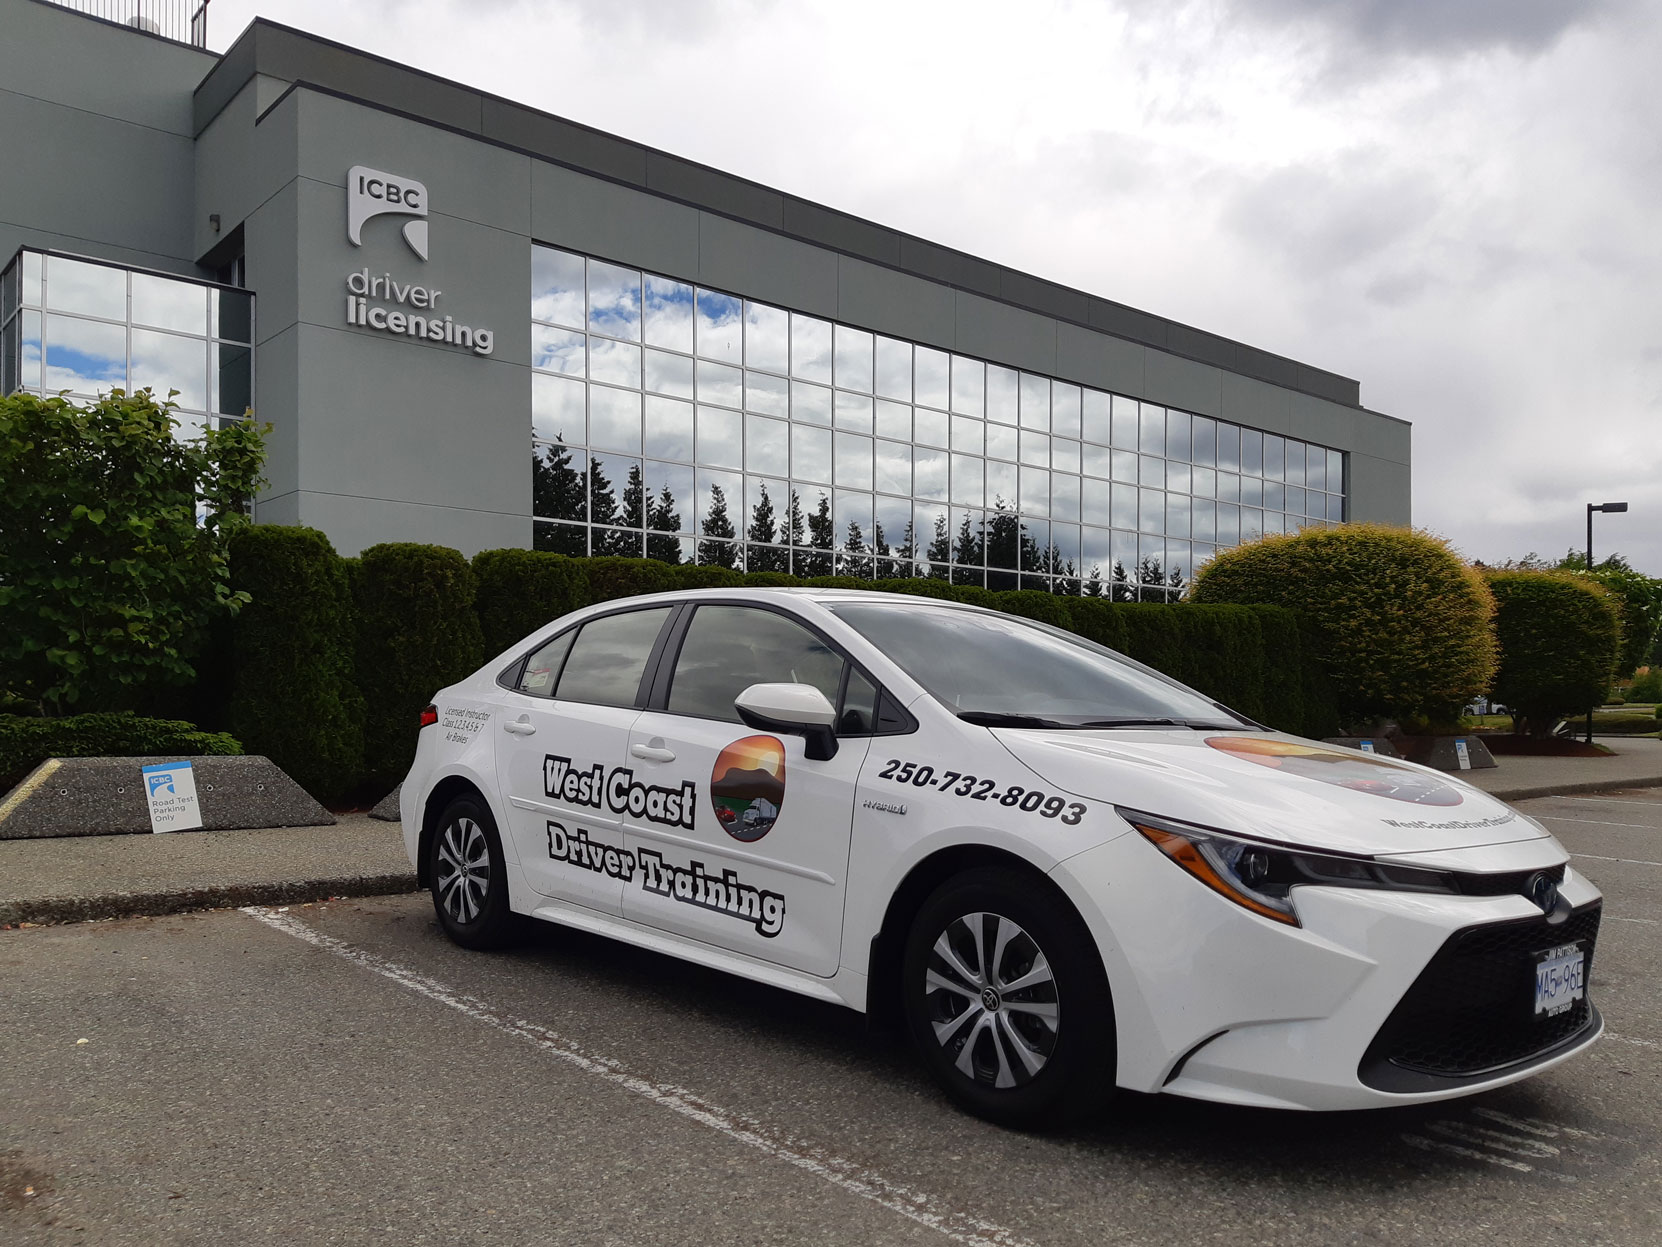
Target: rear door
(757, 861)
(564, 734)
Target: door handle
(651, 753)
(519, 727)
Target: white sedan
(1062, 870)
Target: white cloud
(1450, 201)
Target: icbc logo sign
(371, 193)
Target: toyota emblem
(1543, 891)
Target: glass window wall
(75, 326)
(695, 425)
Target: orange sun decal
(747, 786)
(1344, 768)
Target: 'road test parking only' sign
(170, 787)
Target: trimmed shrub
(1223, 654)
(1560, 638)
(835, 582)
(771, 580)
(1401, 624)
(1097, 620)
(611, 577)
(293, 696)
(521, 590)
(706, 576)
(27, 741)
(417, 632)
(1033, 604)
(1639, 598)
(1636, 724)
(918, 586)
(1152, 636)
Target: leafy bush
(1647, 687)
(27, 741)
(770, 580)
(611, 577)
(417, 632)
(521, 590)
(1033, 604)
(108, 580)
(293, 697)
(1097, 620)
(1560, 637)
(1399, 623)
(1639, 598)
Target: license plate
(1560, 979)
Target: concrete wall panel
(1379, 491)
(613, 222)
(1096, 359)
(873, 297)
(766, 266)
(1004, 334)
(1174, 381)
(354, 524)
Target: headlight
(1261, 877)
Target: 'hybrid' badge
(371, 193)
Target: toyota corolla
(1060, 870)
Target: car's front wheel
(1007, 1001)
(468, 877)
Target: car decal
(461, 724)
(1344, 768)
(725, 893)
(622, 792)
(974, 788)
(747, 787)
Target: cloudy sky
(1453, 201)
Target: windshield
(1004, 671)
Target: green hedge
(293, 650)
(26, 742)
(418, 631)
(521, 590)
(1560, 639)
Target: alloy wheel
(463, 870)
(992, 1000)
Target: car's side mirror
(795, 709)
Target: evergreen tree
(763, 528)
(970, 548)
(663, 521)
(602, 501)
(632, 506)
(940, 550)
(793, 520)
(1121, 581)
(556, 486)
(821, 536)
(1093, 586)
(1003, 542)
(721, 553)
(761, 520)
(855, 559)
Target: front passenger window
(729, 648)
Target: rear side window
(605, 664)
(543, 667)
(729, 648)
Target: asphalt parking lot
(341, 1073)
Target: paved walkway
(78, 878)
(1637, 764)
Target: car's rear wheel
(1006, 999)
(468, 878)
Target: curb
(49, 910)
(1559, 790)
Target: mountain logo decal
(747, 787)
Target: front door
(758, 864)
(565, 731)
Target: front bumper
(1214, 1002)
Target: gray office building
(476, 324)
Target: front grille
(1470, 1014)
(1505, 883)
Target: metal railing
(185, 21)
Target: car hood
(1274, 787)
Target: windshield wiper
(999, 718)
(1198, 724)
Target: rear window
(607, 660)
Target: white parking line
(1471, 1153)
(1626, 861)
(1609, 800)
(856, 1179)
(1643, 1043)
(1648, 921)
(1593, 822)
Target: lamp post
(1614, 508)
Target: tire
(1035, 1055)
(469, 879)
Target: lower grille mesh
(1471, 1011)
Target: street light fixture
(1614, 508)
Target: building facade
(478, 325)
